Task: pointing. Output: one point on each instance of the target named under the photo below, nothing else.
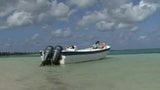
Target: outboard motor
(57, 55)
(48, 55)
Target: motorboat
(57, 55)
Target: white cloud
(94, 17)
(124, 15)
(111, 14)
(28, 12)
(59, 10)
(19, 18)
(112, 4)
(61, 33)
(67, 33)
(102, 25)
(7, 6)
(143, 37)
(5, 12)
(82, 3)
(124, 25)
(152, 1)
(129, 13)
(135, 28)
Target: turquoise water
(115, 72)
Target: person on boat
(103, 45)
(72, 48)
(96, 45)
(42, 54)
(42, 57)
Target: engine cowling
(48, 55)
(57, 55)
(52, 55)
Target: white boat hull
(83, 55)
(72, 56)
(81, 58)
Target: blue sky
(31, 25)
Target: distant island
(18, 53)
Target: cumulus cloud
(82, 3)
(6, 12)
(59, 10)
(19, 18)
(58, 33)
(102, 25)
(93, 17)
(129, 13)
(135, 28)
(153, 1)
(110, 15)
(7, 6)
(112, 4)
(143, 37)
(28, 12)
(124, 25)
(124, 15)
(61, 33)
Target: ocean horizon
(111, 52)
(135, 51)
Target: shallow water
(115, 72)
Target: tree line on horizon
(16, 53)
